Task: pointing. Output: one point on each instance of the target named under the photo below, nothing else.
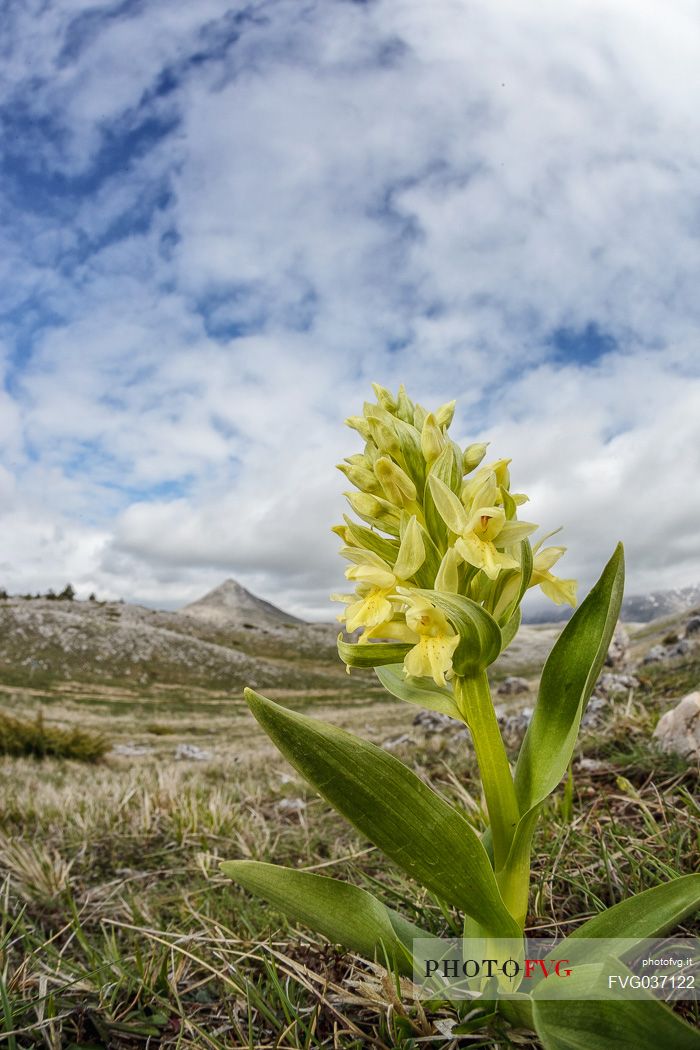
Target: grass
(117, 929)
(19, 737)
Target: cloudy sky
(221, 221)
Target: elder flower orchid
(483, 532)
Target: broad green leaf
(343, 913)
(480, 635)
(371, 654)
(569, 675)
(517, 1010)
(608, 1024)
(422, 833)
(420, 691)
(651, 913)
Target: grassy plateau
(118, 930)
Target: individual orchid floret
(482, 534)
(378, 581)
(436, 640)
(560, 591)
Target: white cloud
(393, 191)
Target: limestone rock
(192, 753)
(618, 651)
(132, 750)
(610, 684)
(678, 731)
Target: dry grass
(117, 929)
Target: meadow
(118, 930)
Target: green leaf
(371, 654)
(568, 678)
(420, 691)
(651, 913)
(480, 635)
(422, 833)
(342, 913)
(609, 1024)
(569, 675)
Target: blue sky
(220, 222)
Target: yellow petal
(371, 574)
(558, 590)
(544, 560)
(432, 658)
(368, 611)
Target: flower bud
(419, 414)
(360, 424)
(404, 405)
(432, 440)
(361, 478)
(473, 455)
(398, 487)
(372, 507)
(384, 437)
(384, 398)
(445, 414)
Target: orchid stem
(473, 697)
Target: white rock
(619, 648)
(291, 805)
(678, 731)
(131, 750)
(191, 752)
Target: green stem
(474, 701)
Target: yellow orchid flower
(556, 588)
(377, 580)
(436, 640)
(427, 630)
(482, 534)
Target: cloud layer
(221, 223)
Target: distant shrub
(67, 594)
(160, 729)
(3, 594)
(24, 738)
